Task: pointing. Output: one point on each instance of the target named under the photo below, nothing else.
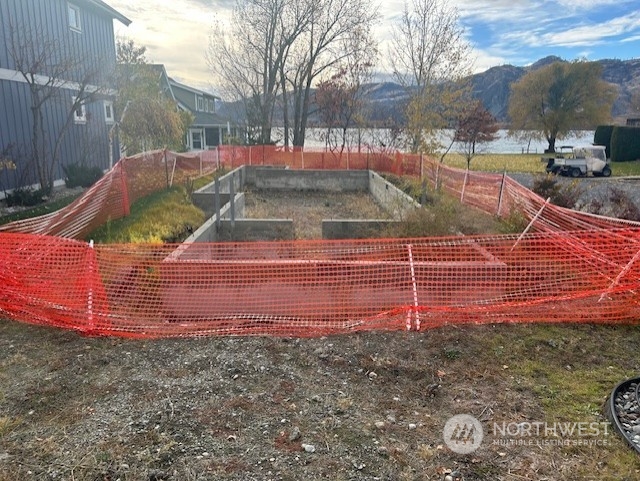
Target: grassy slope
(528, 163)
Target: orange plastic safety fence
(111, 197)
(567, 267)
(311, 288)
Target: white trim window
(212, 107)
(73, 13)
(79, 111)
(109, 116)
(200, 105)
(196, 140)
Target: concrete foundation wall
(389, 197)
(204, 198)
(206, 202)
(207, 231)
(256, 230)
(328, 180)
(354, 228)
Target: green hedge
(625, 143)
(603, 137)
(78, 175)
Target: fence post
(504, 174)
(620, 275)
(413, 312)
(125, 190)
(535, 217)
(232, 194)
(166, 167)
(92, 269)
(173, 170)
(464, 185)
(216, 200)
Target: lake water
(503, 145)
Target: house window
(200, 104)
(79, 112)
(108, 112)
(196, 140)
(212, 108)
(74, 17)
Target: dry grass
(373, 405)
(307, 209)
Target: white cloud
(176, 32)
(591, 34)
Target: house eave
(100, 5)
(191, 89)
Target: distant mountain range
(493, 88)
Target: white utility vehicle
(579, 161)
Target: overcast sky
(516, 32)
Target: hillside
(493, 87)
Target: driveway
(593, 188)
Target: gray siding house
(208, 128)
(66, 51)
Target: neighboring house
(67, 47)
(208, 128)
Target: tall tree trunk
(285, 108)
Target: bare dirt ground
(307, 209)
(366, 406)
(358, 407)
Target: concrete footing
(223, 201)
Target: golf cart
(579, 161)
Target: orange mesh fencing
(111, 197)
(311, 288)
(566, 267)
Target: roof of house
(207, 119)
(191, 89)
(102, 6)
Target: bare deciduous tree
(340, 30)
(282, 47)
(54, 72)
(341, 99)
(476, 126)
(429, 57)
(250, 55)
